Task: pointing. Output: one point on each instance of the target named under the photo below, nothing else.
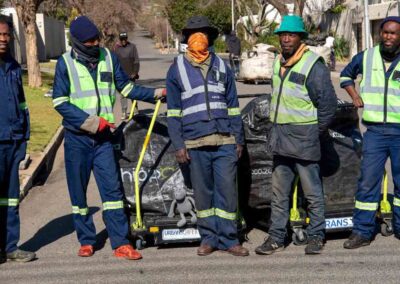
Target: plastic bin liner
(340, 162)
(160, 174)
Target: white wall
(50, 37)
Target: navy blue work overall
(83, 154)
(14, 131)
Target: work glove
(104, 125)
(160, 94)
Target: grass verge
(44, 119)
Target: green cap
(292, 24)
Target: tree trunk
(299, 7)
(34, 75)
(26, 12)
(279, 5)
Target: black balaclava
(85, 54)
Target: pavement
(47, 229)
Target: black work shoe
(314, 245)
(269, 247)
(21, 256)
(356, 241)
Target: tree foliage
(179, 11)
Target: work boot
(314, 245)
(238, 250)
(127, 252)
(205, 249)
(356, 241)
(269, 247)
(21, 256)
(86, 251)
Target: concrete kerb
(44, 162)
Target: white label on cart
(338, 223)
(180, 234)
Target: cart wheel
(299, 237)
(140, 244)
(387, 229)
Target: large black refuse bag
(160, 174)
(340, 162)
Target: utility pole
(233, 14)
(167, 35)
(367, 25)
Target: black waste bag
(340, 162)
(160, 174)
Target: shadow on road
(101, 239)
(52, 231)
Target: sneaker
(356, 241)
(127, 252)
(269, 247)
(314, 245)
(21, 256)
(86, 251)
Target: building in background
(50, 37)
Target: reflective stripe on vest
(295, 105)
(9, 202)
(372, 89)
(396, 201)
(83, 89)
(225, 215)
(202, 100)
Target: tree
(26, 11)
(179, 11)
(255, 25)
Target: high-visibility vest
(93, 98)
(290, 103)
(381, 95)
(202, 99)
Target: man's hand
(160, 94)
(134, 77)
(104, 125)
(357, 101)
(239, 150)
(182, 156)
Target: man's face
(124, 41)
(290, 42)
(5, 37)
(390, 36)
(92, 42)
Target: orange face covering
(198, 47)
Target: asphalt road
(47, 229)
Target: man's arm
(174, 115)
(130, 90)
(61, 101)
(349, 74)
(322, 94)
(232, 103)
(22, 105)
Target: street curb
(44, 161)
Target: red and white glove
(104, 125)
